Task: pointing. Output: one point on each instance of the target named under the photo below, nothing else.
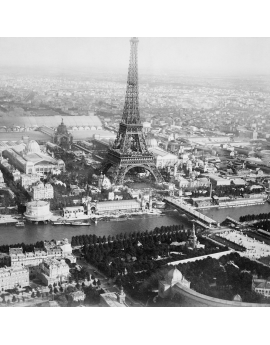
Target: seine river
(235, 212)
(32, 233)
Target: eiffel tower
(129, 149)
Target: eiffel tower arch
(122, 170)
(129, 149)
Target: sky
(155, 55)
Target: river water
(235, 212)
(32, 233)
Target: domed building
(62, 137)
(172, 278)
(32, 147)
(30, 160)
(38, 211)
(237, 298)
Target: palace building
(42, 191)
(31, 160)
(53, 249)
(12, 277)
(52, 271)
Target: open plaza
(255, 249)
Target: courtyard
(255, 249)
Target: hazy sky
(209, 55)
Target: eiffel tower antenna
(131, 113)
(129, 149)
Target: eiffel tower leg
(156, 173)
(105, 166)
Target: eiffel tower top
(131, 114)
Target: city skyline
(202, 56)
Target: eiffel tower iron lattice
(129, 149)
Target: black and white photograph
(134, 171)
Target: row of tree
(93, 239)
(264, 224)
(252, 217)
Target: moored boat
(118, 219)
(80, 224)
(20, 224)
(61, 223)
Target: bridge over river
(200, 218)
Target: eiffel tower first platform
(129, 149)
